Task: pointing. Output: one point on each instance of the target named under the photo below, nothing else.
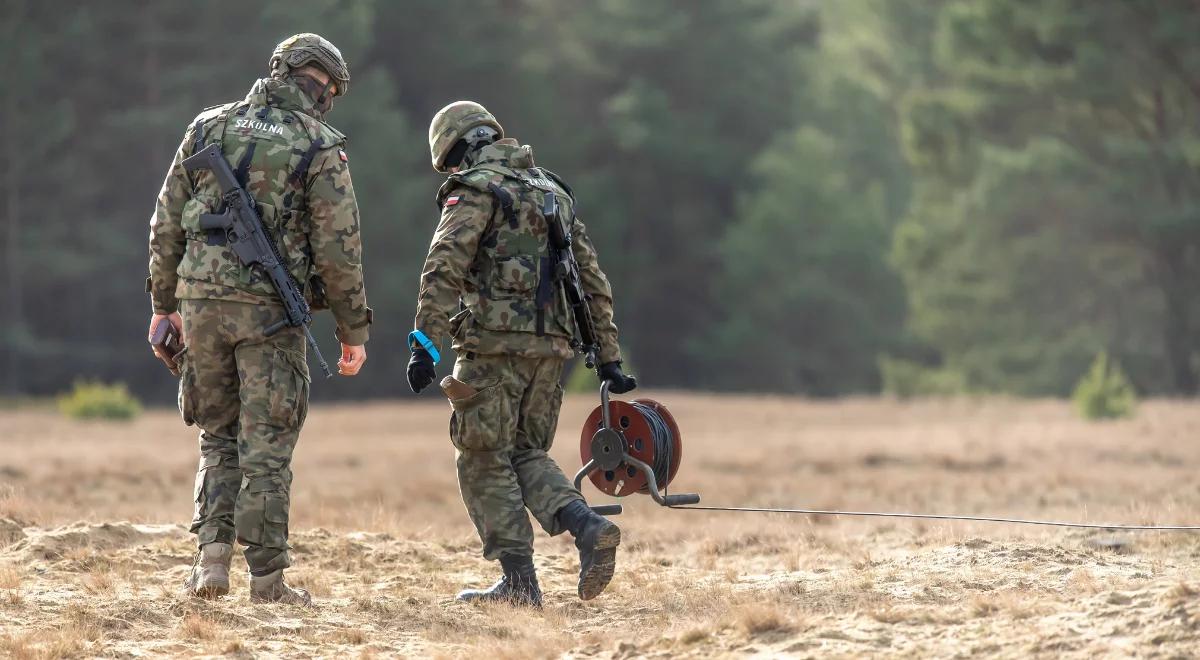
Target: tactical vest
(270, 150)
(515, 289)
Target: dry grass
(10, 578)
(761, 619)
(383, 543)
(99, 583)
(197, 627)
(351, 636)
(69, 641)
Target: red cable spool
(639, 437)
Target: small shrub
(95, 400)
(906, 379)
(581, 380)
(1104, 392)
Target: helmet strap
(477, 138)
(456, 155)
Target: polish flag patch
(342, 155)
(451, 201)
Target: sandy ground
(94, 549)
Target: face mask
(318, 92)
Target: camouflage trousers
(249, 396)
(502, 434)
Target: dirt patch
(64, 542)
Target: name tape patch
(261, 126)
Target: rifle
(566, 273)
(249, 240)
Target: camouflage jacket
(496, 262)
(295, 168)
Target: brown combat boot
(210, 572)
(270, 588)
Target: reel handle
(681, 499)
(604, 403)
(607, 509)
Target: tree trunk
(12, 242)
(1173, 275)
(1177, 335)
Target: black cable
(663, 443)
(932, 516)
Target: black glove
(611, 371)
(420, 370)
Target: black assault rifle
(566, 273)
(249, 240)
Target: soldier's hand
(611, 371)
(352, 359)
(174, 319)
(420, 370)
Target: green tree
(1056, 210)
(812, 302)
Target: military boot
(270, 588)
(519, 586)
(596, 538)
(210, 572)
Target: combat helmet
(308, 48)
(452, 123)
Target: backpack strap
(301, 173)
(506, 204)
(223, 119)
(242, 171)
(559, 180)
(198, 143)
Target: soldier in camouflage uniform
(248, 393)
(512, 336)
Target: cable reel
(631, 447)
(634, 447)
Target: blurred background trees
(976, 195)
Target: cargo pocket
(187, 387)
(515, 277)
(541, 429)
(289, 389)
(206, 462)
(275, 520)
(478, 422)
(263, 520)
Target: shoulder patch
(342, 155)
(455, 186)
(452, 200)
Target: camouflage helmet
(451, 123)
(308, 48)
